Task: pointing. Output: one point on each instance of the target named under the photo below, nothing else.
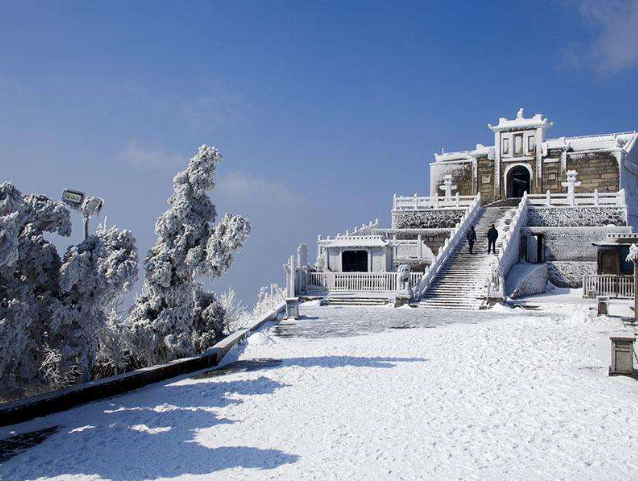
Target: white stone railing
(358, 281)
(435, 202)
(593, 199)
(609, 285)
(456, 235)
(509, 252)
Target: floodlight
(92, 205)
(88, 205)
(73, 198)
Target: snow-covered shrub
(51, 308)
(268, 299)
(320, 264)
(235, 314)
(174, 316)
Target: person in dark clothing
(471, 238)
(492, 235)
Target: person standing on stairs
(471, 238)
(492, 235)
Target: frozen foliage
(52, 308)
(268, 299)
(174, 316)
(235, 314)
(92, 277)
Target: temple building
(523, 159)
(556, 204)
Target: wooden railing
(358, 281)
(621, 287)
(594, 199)
(435, 202)
(456, 235)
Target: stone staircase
(461, 282)
(352, 299)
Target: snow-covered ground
(509, 394)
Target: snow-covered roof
(613, 240)
(604, 142)
(586, 143)
(356, 241)
(479, 151)
(520, 122)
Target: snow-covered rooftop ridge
(613, 141)
(604, 142)
(356, 241)
(480, 150)
(520, 122)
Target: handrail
(448, 247)
(434, 202)
(595, 199)
(357, 281)
(609, 285)
(510, 247)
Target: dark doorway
(518, 182)
(354, 261)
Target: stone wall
(426, 219)
(575, 216)
(433, 238)
(598, 170)
(416, 265)
(486, 173)
(461, 173)
(569, 274)
(569, 243)
(552, 176)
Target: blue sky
(322, 110)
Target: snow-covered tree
(29, 288)
(93, 276)
(175, 316)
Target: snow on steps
(461, 282)
(355, 299)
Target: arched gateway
(518, 181)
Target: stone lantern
(622, 354)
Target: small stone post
(292, 302)
(302, 262)
(571, 185)
(622, 354)
(633, 257)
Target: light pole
(87, 205)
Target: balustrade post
(548, 198)
(416, 202)
(596, 197)
(419, 247)
(436, 201)
(394, 202)
(458, 199)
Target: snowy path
(522, 397)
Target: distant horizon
(322, 111)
